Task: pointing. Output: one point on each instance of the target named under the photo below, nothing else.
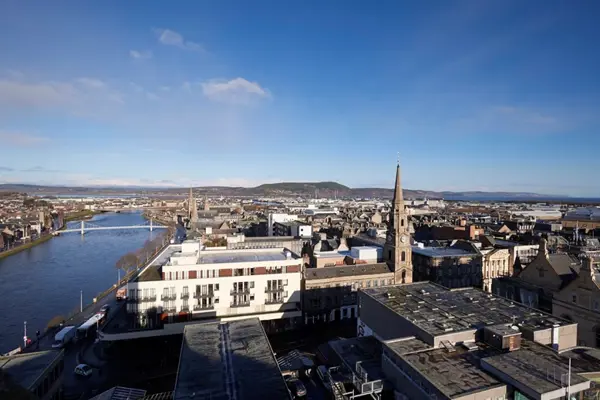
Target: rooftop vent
(423, 291)
(389, 295)
(471, 346)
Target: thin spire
(398, 199)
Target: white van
(63, 337)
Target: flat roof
(455, 372)
(240, 256)
(535, 367)
(346, 270)
(439, 310)
(363, 350)
(232, 360)
(25, 369)
(442, 251)
(407, 345)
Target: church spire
(398, 199)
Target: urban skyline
(475, 96)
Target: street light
(24, 333)
(81, 301)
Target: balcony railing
(239, 291)
(199, 295)
(240, 304)
(185, 295)
(149, 298)
(172, 296)
(274, 301)
(274, 289)
(199, 307)
(185, 309)
(169, 309)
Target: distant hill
(300, 189)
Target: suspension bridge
(88, 226)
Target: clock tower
(397, 249)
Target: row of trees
(139, 258)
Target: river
(46, 280)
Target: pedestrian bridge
(88, 226)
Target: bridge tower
(82, 227)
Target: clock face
(403, 239)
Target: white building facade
(278, 217)
(220, 284)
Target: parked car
(297, 387)
(323, 374)
(83, 370)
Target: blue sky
(474, 95)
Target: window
(402, 222)
(574, 298)
(403, 257)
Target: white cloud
(21, 138)
(172, 38)
(152, 96)
(237, 90)
(16, 93)
(91, 83)
(140, 55)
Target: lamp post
(24, 333)
(81, 301)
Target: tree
(55, 321)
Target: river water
(46, 280)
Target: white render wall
(276, 217)
(210, 272)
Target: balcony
(274, 301)
(169, 310)
(239, 292)
(172, 296)
(240, 304)
(185, 295)
(149, 298)
(185, 309)
(276, 289)
(200, 307)
(199, 295)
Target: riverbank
(81, 215)
(25, 246)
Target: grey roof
(221, 361)
(231, 256)
(438, 310)
(407, 345)
(348, 270)
(455, 373)
(442, 252)
(564, 264)
(364, 350)
(533, 366)
(25, 369)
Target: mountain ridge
(300, 189)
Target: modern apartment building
(191, 282)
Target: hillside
(299, 189)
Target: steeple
(397, 249)
(398, 199)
